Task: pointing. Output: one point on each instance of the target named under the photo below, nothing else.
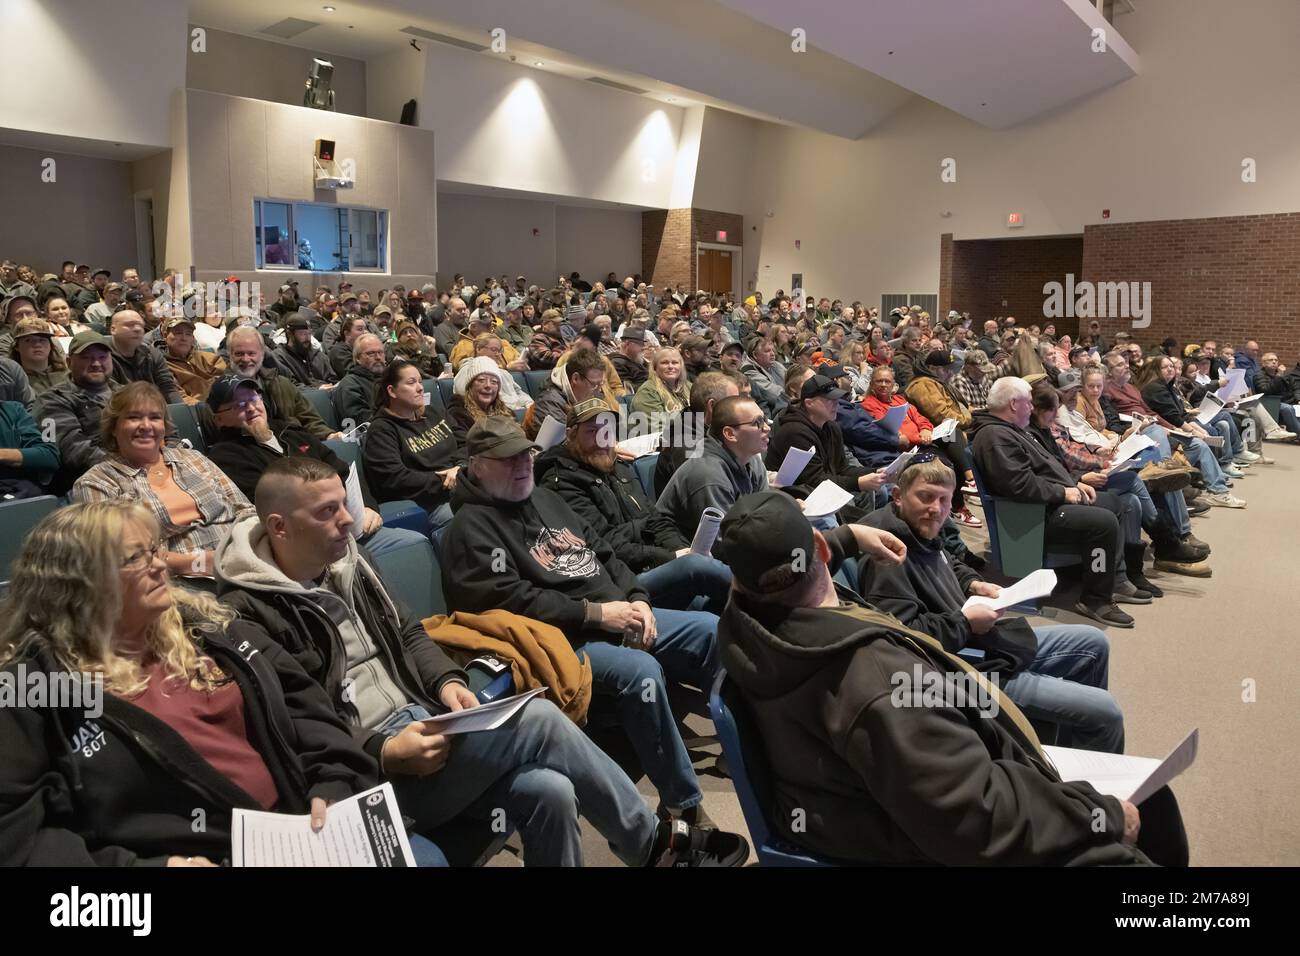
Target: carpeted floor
(1220, 654)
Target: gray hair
(1005, 391)
(362, 340)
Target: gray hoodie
(245, 560)
(713, 480)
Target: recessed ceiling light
(539, 63)
(328, 9)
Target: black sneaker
(694, 816)
(680, 844)
(1139, 581)
(1105, 613)
(1124, 591)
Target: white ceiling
(75, 145)
(998, 62)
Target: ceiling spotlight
(539, 63)
(328, 9)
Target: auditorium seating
(1016, 534)
(322, 401)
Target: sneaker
(1125, 592)
(1279, 434)
(693, 816)
(970, 489)
(1105, 613)
(1165, 476)
(1191, 569)
(1265, 460)
(677, 843)
(1226, 500)
(1245, 455)
(1139, 581)
(1197, 508)
(1232, 471)
(964, 517)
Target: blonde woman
(190, 497)
(175, 712)
(665, 392)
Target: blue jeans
(1232, 445)
(684, 651)
(693, 582)
(425, 851)
(541, 770)
(1171, 504)
(1287, 418)
(1134, 500)
(1199, 454)
(439, 518)
(1065, 684)
(386, 540)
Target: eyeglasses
(142, 558)
(760, 423)
(243, 406)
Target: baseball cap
(593, 334)
(223, 390)
(978, 358)
(586, 411)
(694, 342)
(100, 272)
(285, 288)
(831, 370)
(84, 340)
(764, 533)
(348, 297)
(114, 287)
(632, 335)
(733, 347)
(295, 321)
(35, 327)
(497, 437)
(176, 322)
(819, 386)
(1068, 378)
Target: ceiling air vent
(289, 28)
(443, 38)
(615, 85)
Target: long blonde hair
(65, 598)
(674, 400)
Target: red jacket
(913, 422)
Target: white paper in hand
(946, 429)
(483, 717)
(893, 419)
(706, 532)
(356, 504)
(1236, 385)
(642, 445)
(827, 498)
(898, 464)
(550, 434)
(795, 461)
(1129, 447)
(1211, 405)
(1039, 584)
(1122, 776)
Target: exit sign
(722, 235)
(1015, 220)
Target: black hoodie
(402, 458)
(794, 429)
(533, 557)
(926, 592)
(870, 781)
(122, 789)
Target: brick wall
(978, 275)
(668, 239)
(1229, 278)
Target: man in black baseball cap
(522, 549)
(896, 751)
(810, 424)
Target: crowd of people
(255, 657)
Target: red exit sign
(1014, 219)
(722, 235)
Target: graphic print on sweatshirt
(563, 552)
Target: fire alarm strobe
(328, 173)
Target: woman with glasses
(410, 452)
(176, 714)
(193, 501)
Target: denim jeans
(1171, 504)
(693, 582)
(386, 540)
(1199, 454)
(541, 770)
(684, 651)
(1224, 424)
(1136, 501)
(425, 851)
(1288, 419)
(439, 518)
(1066, 684)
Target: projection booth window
(314, 237)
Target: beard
(260, 429)
(601, 460)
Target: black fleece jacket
(244, 459)
(615, 506)
(122, 789)
(534, 557)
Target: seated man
(300, 358)
(729, 465)
(522, 549)
(586, 472)
(354, 396)
(133, 361)
(71, 412)
(580, 375)
(1056, 674)
(193, 369)
(766, 376)
(809, 423)
(1272, 379)
(1015, 466)
(1161, 393)
(294, 571)
(284, 401)
(872, 773)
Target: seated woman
(858, 369)
(917, 430)
(410, 453)
(58, 312)
(192, 726)
(665, 391)
(487, 347)
(41, 359)
(478, 392)
(27, 459)
(193, 501)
